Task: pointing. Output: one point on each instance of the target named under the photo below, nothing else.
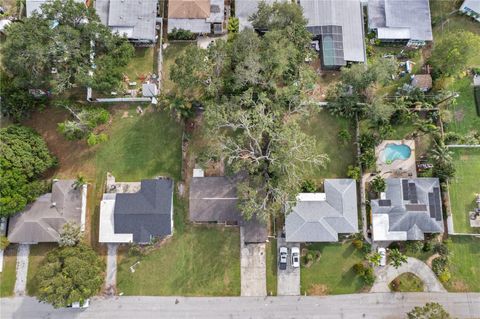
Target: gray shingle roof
(147, 213)
(35, 5)
(399, 18)
(42, 220)
(323, 220)
(136, 19)
(425, 216)
(344, 13)
(214, 199)
(245, 8)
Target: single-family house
(401, 21)
(471, 8)
(136, 19)
(197, 16)
(423, 82)
(244, 10)
(42, 221)
(407, 210)
(136, 212)
(213, 199)
(35, 6)
(337, 25)
(321, 217)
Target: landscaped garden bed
(406, 282)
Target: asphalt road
(379, 305)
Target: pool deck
(398, 168)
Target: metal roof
(473, 5)
(146, 213)
(415, 208)
(321, 217)
(397, 19)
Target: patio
(397, 167)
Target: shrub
(344, 135)
(233, 25)
(427, 246)
(4, 242)
(441, 249)
(94, 139)
(353, 172)
(445, 276)
(414, 246)
(378, 184)
(83, 123)
(368, 276)
(439, 265)
(367, 248)
(358, 243)
(359, 268)
(181, 34)
(71, 130)
(309, 186)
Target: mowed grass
(7, 276)
(465, 117)
(141, 64)
(325, 128)
(271, 260)
(464, 187)
(196, 261)
(464, 264)
(333, 273)
(406, 282)
(35, 260)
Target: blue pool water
(396, 151)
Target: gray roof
(400, 19)
(346, 14)
(42, 220)
(146, 213)
(473, 5)
(214, 199)
(136, 19)
(323, 220)
(35, 5)
(245, 8)
(414, 206)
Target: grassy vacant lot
(465, 255)
(141, 64)
(325, 128)
(196, 261)
(465, 117)
(406, 282)
(333, 273)
(169, 56)
(7, 276)
(272, 267)
(37, 255)
(464, 186)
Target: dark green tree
(69, 274)
(378, 184)
(396, 258)
(431, 310)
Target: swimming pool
(393, 152)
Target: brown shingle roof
(422, 81)
(188, 9)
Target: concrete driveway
(253, 268)
(386, 274)
(23, 252)
(288, 280)
(111, 273)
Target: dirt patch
(318, 290)
(430, 259)
(459, 286)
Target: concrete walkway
(111, 274)
(386, 274)
(253, 268)
(23, 252)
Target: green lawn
(463, 188)
(7, 276)
(325, 128)
(35, 259)
(465, 117)
(406, 282)
(197, 261)
(141, 64)
(465, 270)
(333, 273)
(169, 56)
(271, 267)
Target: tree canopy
(69, 274)
(52, 50)
(24, 157)
(431, 310)
(255, 90)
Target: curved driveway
(386, 274)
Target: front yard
(7, 276)
(465, 256)
(333, 273)
(463, 188)
(38, 253)
(271, 258)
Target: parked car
(295, 257)
(383, 255)
(76, 305)
(282, 262)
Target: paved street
(380, 305)
(253, 268)
(288, 280)
(23, 252)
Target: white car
(295, 257)
(383, 256)
(282, 262)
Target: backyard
(464, 186)
(196, 261)
(333, 273)
(7, 276)
(465, 255)
(141, 64)
(169, 55)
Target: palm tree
(440, 153)
(79, 182)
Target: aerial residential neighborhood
(240, 159)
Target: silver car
(282, 258)
(295, 257)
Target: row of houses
(141, 212)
